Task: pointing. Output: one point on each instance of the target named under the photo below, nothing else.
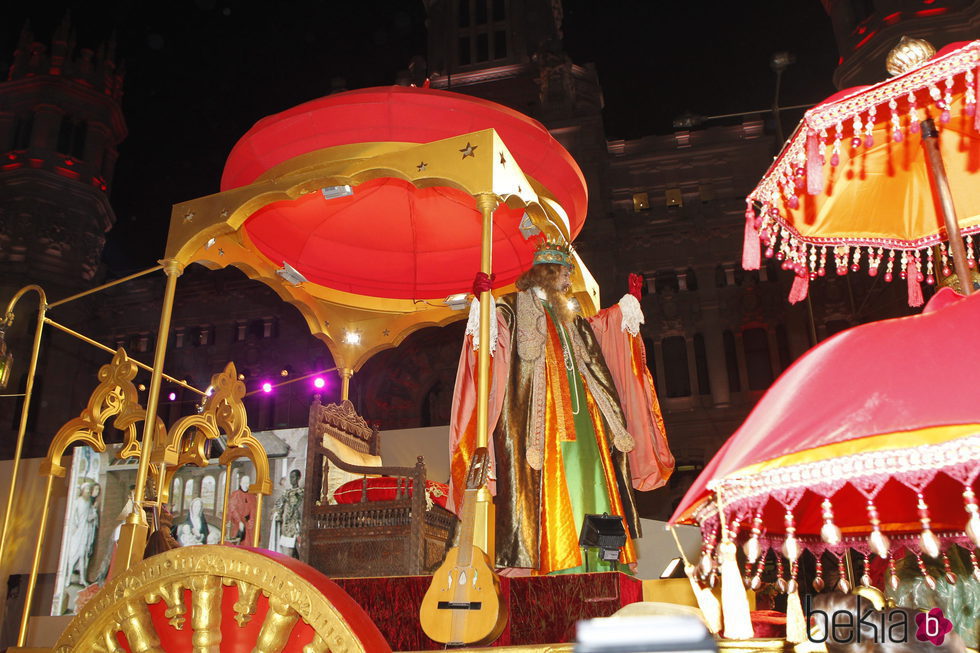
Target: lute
(463, 603)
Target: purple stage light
(172, 396)
(266, 387)
(318, 382)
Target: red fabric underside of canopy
(365, 248)
(389, 239)
(884, 377)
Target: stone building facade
(670, 207)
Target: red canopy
(390, 239)
(880, 379)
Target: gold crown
(557, 253)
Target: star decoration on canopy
(468, 150)
(422, 166)
(503, 161)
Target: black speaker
(603, 531)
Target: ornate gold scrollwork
(173, 596)
(248, 599)
(115, 396)
(223, 412)
(206, 570)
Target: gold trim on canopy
(209, 230)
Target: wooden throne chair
(361, 518)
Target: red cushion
(385, 488)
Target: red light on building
(932, 12)
(35, 163)
(11, 166)
(891, 19)
(862, 29)
(65, 172)
(865, 40)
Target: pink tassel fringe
(814, 165)
(751, 249)
(915, 290)
(801, 285)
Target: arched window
(675, 366)
(782, 344)
(701, 364)
(188, 491)
(758, 365)
(207, 492)
(731, 361)
(176, 496)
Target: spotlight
(284, 372)
(141, 387)
(352, 338)
(604, 532)
(290, 274)
(266, 387)
(172, 396)
(333, 192)
(457, 302)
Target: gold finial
(908, 54)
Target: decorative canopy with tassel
(882, 458)
(854, 188)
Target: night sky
(200, 73)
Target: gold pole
(133, 533)
(258, 519)
(483, 535)
(35, 565)
(486, 202)
(345, 375)
(22, 426)
(104, 286)
(224, 506)
(930, 143)
(138, 364)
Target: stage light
(604, 532)
(266, 387)
(334, 192)
(209, 391)
(172, 396)
(352, 338)
(284, 372)
(457, 302)
(319, 382)
(290, 274)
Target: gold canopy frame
(209, 230)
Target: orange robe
(536, 523)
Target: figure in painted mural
(83, 524)
(287, 517)
(194, 529)
(241, 514)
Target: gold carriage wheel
(123, 606)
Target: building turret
(867, 30)
(60, 124)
